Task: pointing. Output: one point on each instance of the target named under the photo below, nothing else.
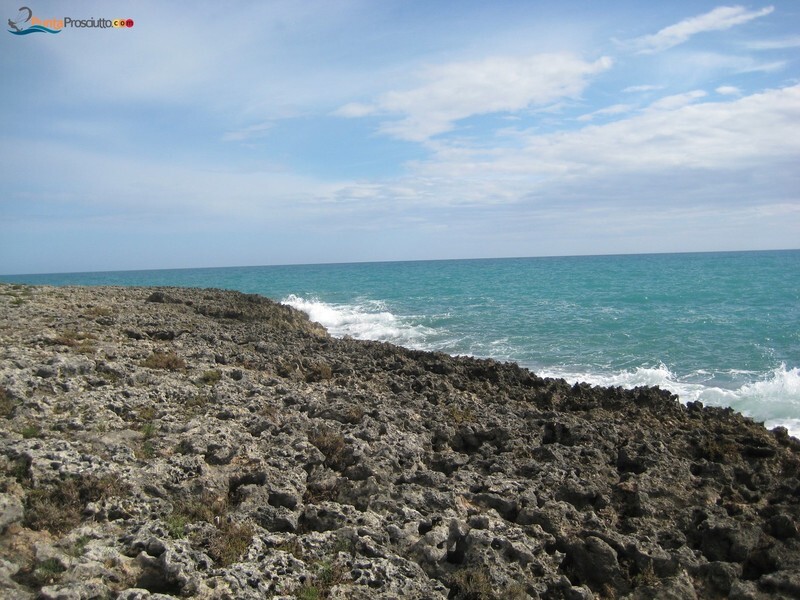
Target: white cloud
(778, 44)
(616, 109)
(246, 133)
(642, 88)
(719, 153)
(355, 110)
(677, 100)
(728, 90)
(459, 90)
(721, 18)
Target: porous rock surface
(161, 443)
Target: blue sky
(249, 133)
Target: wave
(773, 398)
(35, 29)
(367, 320)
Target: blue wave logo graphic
(35, 29)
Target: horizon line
(419, 260)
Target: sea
(722, 328)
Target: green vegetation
(148, 430)
(145, 451)
(79, 546)
(211, 377)
(176, 524)
(31, 431)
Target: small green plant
(646, 577)
(308, 592)
(17, 302)
(31, 431)
(205, 507)
(168, 361)
(211, 377)
(77, 548)
(145, 451)
(176, 525)
(19, 470)
(48, 571)
(148, 430)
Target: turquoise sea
(722, 328)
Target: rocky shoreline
(161, 443)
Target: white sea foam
(773, 399)
(367, 320)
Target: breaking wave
(367, 320)
(772, 397)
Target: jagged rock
(164, 443)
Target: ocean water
(722, 328)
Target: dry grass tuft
(168, 361)
(57, 508)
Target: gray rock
(267, 458)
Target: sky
(283, 132)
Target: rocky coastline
(193, 443)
